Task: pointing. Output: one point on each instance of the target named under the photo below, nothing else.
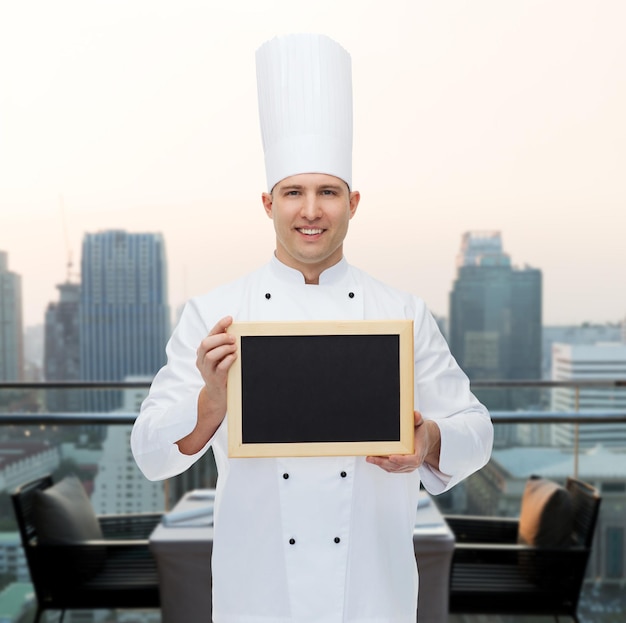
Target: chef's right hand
(216, 354)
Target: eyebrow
(320, 187)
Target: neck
(311, 279)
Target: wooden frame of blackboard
(328, 365)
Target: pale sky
(469, 115)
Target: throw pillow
(63, 515)
(547, 514)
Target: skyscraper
(11, 332)
(124, 314)
(495, 319)
(62, 347)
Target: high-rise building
(11, 332)
(585, 333)
(495, 320)
(602, 361)
(119, 486)
(124, 314)
(62, 347)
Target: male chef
(321, 539)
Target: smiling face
(310, 213)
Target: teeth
(311, 232)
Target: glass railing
(47, 429)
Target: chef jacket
(312, 539)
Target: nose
(310, 208)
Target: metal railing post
(576, 429)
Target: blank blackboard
(323, 388)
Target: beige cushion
(547, 514)
(63, 514)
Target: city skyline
(73, 276)
(175, 309)
(468, 116)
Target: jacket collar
(330, 277)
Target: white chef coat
(329, 539)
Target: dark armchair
(532, 565)
(78, 560)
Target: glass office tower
(124, 313)
(495, 320)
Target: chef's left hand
(427, 447)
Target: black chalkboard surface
(322, 388)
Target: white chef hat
(304, 84)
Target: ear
(355, 197)
(267, 203)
